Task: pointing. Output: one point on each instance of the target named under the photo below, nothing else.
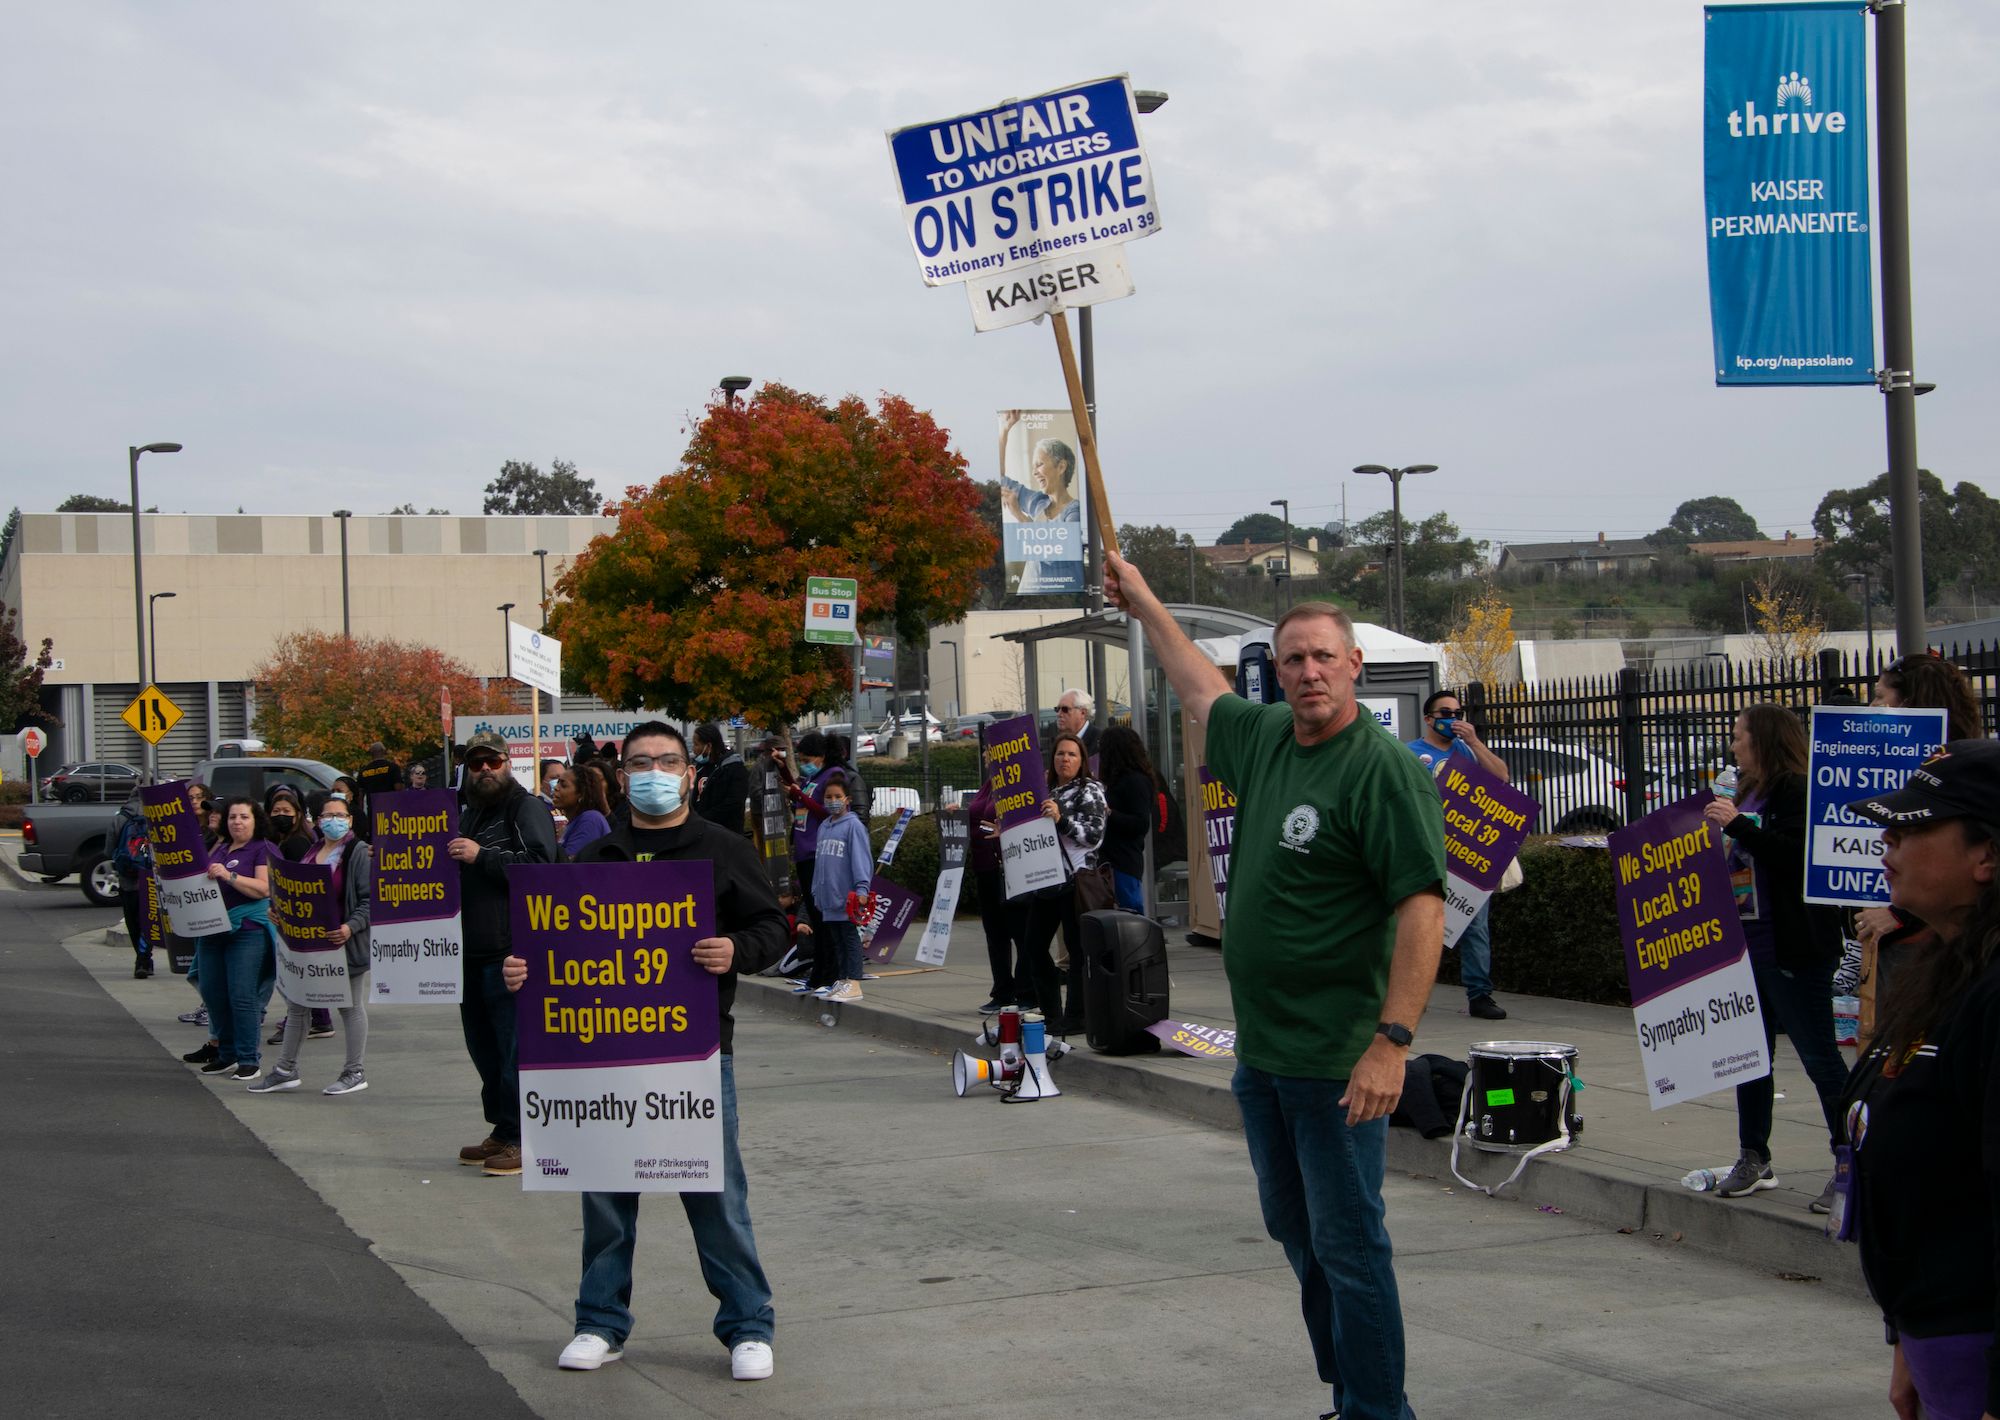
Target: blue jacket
(844, 862)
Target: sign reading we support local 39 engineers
(1857, 754)
(1785, 157)
(1043, 179)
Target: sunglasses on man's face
(482, 761)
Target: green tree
(1163, 557)
(20, 676)
(1258, 527)
(1729, 603)
(407, 510)
(1853, 529)
(695, 603)
(7, 535)
(524, 488)
(91, 503)
(1714, 519)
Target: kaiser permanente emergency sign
(1053, 175)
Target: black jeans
(133, 903)
(1802, 1002)
(1005, 923)
(1046, 915)
(486, 1012)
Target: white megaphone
(968, 1072)
(1035, 1082)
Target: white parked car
(908, 725)
(1580, 791)
(864, 743)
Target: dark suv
(100, 782)
(251, 778)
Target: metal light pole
(542, 553)
(139, 572)
(507, 643)
(153, 628)
(1188, 538)
(1395, 477)
(1286, 504)
(1897, 378)
(957, 680)
(346, 618)
(733, 385)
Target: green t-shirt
(1329, 838)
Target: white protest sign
(1025, 293)
(1054, 175)
(535, 658)
(1702, 1036)
(953, 841)
(1857, 754)
(1386, 710)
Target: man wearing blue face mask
(1449, 736)
(659, 783)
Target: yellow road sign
(152, 714)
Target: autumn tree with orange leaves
(696, 603)
(323, 696)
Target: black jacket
(725, 794)
(518, 829)
(1804, 935)
(746, 909)
(1131, 809)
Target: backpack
(133, 850)
(1169, 830)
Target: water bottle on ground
(1701, 1180)
(1725, 783)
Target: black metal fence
(1602, 751)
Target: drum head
(1523, 1050)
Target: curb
(1763, 1236)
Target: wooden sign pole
(1100, 505)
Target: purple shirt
(244, 862)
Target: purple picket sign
(1676, 910)
(1486, 820)
(611, 977)
(178, 848)
(896, 907)
(1014, 769)
(415, 880)
(304, 905)
(1218, 821)
(1202, 1042)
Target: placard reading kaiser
(416, 938)
(620, 1030)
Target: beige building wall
(242, 582)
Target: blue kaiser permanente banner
(1785, 145)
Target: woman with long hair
(342, 849)
(578, 796)
(610, 790)
(1132, 798)
(237, 966)
(1928, 682)
(1075, 807)
(1921, 1112)
(1794, 947)
(722, 781)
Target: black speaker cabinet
(1124, 981)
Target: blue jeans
(237, 971)
(486, 1015)
(1475, 953)
(720, 1223)
(1802, 1002)
(1320, 1183)
(843, 945)
(1131, 892)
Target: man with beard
(499, 824)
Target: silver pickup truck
(60, 839)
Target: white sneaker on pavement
(587, 1352)
(751, 1360)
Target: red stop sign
(33, 742)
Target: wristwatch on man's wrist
(1396, 1033)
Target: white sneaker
(589, 1351)
(750, 1360)
(845, 991)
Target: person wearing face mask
(291, 833)
(751, 935)
(843, 875)
(341, 849)
(500, 824)
(722, 780)
(1448, 736)
(808, 795)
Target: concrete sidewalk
(1625, 1170)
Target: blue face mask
(1444, 724)
(835, 807)
(701, 759)
(807, 769)
(654, 793)
(333, 829)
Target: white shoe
(588, 1352)
(750, 1360)
(845, 991)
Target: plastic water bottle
(1701, 1180)
(1725, 783)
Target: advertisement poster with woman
(1042, 513)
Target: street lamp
(1286, 504)
(1395, 477)
(153, 628)
(1188, 538)
(733, 385)
(1867, 613)
(139, 570)
(542, 553)
(341, 515)
(506, 640)
(957, 684)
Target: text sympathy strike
(1653, 1034)
(617, 1109)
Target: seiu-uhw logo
(1795, 113)
(552, 1168)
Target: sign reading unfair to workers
(620, 1034)
(305, 908)
(1050, 185)
(1857, 754)
(1486, 820)
(1029, 853)
(416, 939)
(1693, 995)
(192, 898)
(1785, 144)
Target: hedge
(1557, 934)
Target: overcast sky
(353, 254)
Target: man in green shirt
(1335, 927)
